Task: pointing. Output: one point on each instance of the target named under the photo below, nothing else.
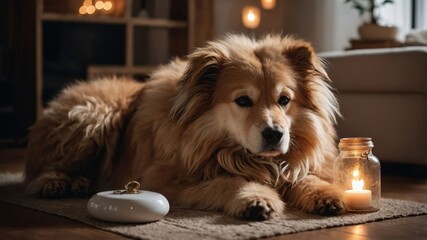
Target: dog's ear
(303, 58)
(314, 82)
(197, 85)
(300, 54)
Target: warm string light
(268, 4)
(99, 5)
(108, 5)
(88, 7)
(251, 17)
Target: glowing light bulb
(87, 3)
(99, 5)
(83, 10)
(268, 4)
(108, 5)
(91, 9)
(251, 17)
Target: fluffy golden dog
(243, 126)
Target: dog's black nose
(272, 136)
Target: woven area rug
(190, 224)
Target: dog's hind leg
(64, 155)
(72, 146)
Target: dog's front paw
(257, 210)
(329, 204)
(327, 201)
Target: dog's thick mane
(209, 151)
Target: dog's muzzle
(272, 136)
(272, 141)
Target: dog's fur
(242, 127)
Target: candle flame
(355, 173)
(357, 184)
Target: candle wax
(358, 199)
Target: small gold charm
(131, 188)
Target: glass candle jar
(357, 172)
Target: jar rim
(356, 142)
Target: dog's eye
(284, 100)
(243, 101)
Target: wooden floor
(21, 223)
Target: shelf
(189, 26)
(105, 19)
(368, 44)
(158, 22)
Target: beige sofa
(383, 95)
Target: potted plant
(372, 30)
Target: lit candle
(357, 198)
(251, 17)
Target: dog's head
(256, 90)
(270, 96)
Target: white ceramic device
(128, 206)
